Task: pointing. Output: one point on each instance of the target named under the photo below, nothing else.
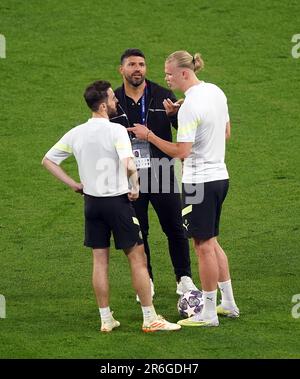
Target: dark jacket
(156, 118)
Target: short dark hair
(132, 52)
(96, 93)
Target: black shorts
(104, 215)
(201, 218)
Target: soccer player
(203, 124)
(141, 101)
(105, 162)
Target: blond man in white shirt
(203, 126)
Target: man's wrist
(71, 183)
(148, 134)
(135, 188)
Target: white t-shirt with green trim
(98, 146)
(202, 120)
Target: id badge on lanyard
(141, 148)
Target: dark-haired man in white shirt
(105, 163)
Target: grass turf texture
(54, 49)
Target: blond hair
(185, 60)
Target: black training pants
(168, 209)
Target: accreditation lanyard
(143, 107)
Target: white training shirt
(202, 120)
(98, 146)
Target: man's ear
(121, 69)
(103, 107)
(184, 74)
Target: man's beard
(135, 82)
(111, 112)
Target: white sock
(209, 310)
(227, 294)
(149, 313)
(105, 313)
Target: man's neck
(134, 92)
(190, 83)
(100, 115)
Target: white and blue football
(190, 303)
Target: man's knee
(204, 247)
(136, 254)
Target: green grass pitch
(53, 50)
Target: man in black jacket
(142, 101)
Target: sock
(209, 310)
(105, 313)
(227, 294)
(149, 314)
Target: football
(190, 303)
